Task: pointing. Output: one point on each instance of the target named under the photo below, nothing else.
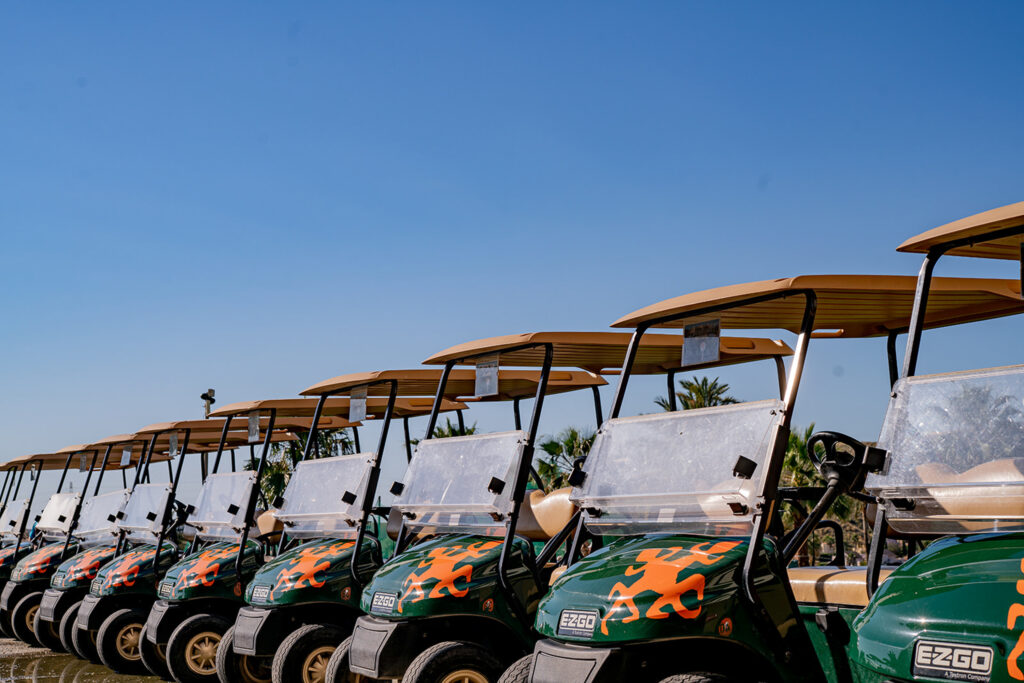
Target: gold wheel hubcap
(127, 642)
(314, 670)
(201, 653)
(464, 676)
(255, 669)
(30, 618)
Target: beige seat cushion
(542, 516)
(832, 585)
(268, 524)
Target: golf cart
(23, 592)
(301, 604)
(96, 534)
(96, 609)
(691, 583)
(199, 595)
(14, 519)
(458, 598)
(953, 483)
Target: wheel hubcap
(128, 642)
(315, 668)
(464, 676)
(255, 669)
(201, 653)
(30, 618)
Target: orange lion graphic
(125, 570)
(205, 568)
(440, 566)
(88, 563)
(659, 571)
(301, 571)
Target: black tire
(232, 668)
(192, 649)
(439, 661)
(696, 677)
(85, 644)
(154, 656)
(117, 641)
(67, 623)
(23, 618)
(519, 672)
(47, 634)
(302, 657)
(337, 667)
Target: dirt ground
(21, 663)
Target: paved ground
(24, 664)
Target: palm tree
(562, 450)
(449, 428)
(699, 393)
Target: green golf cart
(692, 582)
(302, 603)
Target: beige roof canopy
(600, 351)
(55, 461)
(337, 408)
(976, 226)
(848, 305)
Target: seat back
(544, 515)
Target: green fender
(210, 573)
(132, 572)
(80, 569)
(644, 589)
(7, 559)
(965, 589)
(41, 563)
(317, 571)
(452, 575)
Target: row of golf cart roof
(666, 558)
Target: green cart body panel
(42, 563)
(78, 571)
(7, 562)
(132, 572)
(639, 590)
(453, 575)
(960, 591)
(316, 571)
(210, 573)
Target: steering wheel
(839, 451)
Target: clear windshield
(56, 517)
(446, 485)
(144, 512)
(97, 523)
(314, 504)
(220, 511)
(673, 472)
(956, 448)
(13, 517)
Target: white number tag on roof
(357, 405)
(173, 449)
(700, 345)
(254, 426)
(126, 456)
(486, 377)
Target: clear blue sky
(256, 196)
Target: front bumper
(163, 618)
(5, 597)
(555, 662)
(56, 602)
(384, 649)
(258, 632)
(88, 619)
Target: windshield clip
(61, 518)
(120, 514)
(111, 518)
(151, 516)
(496, 486)
(278, 502)
(593, 512)
(577, 476)
(497, 516)
(877, 460)
(348, 498)
(397, 488)
(233, 509)
(744, 467)
(408, 515)
(190, 509)
(738, 508)
(903, 503)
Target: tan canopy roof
(411, 382)
(337, 407)
(978, 225)
(849, 305)
(601, 351)
(55, 461)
